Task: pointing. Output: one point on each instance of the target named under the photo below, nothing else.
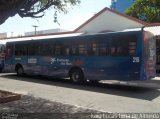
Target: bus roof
(59, 36)
(39, 37)
(155, 30)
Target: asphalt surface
(113, 96)
(29, 107)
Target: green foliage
(146, 10)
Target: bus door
(102, 59)
(150, 55)
(58, 62)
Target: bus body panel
(94, 67)
(106, 68)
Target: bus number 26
(135, 59)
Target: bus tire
(76, 76)
(20, 71)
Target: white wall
(109, 21)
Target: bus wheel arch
(76, 75)
(19, 69)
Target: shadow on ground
(112, 89)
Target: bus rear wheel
(77, 76)
(20, 71)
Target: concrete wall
(108, 21)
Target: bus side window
(31, 50)
(17, 50)
(132, 47)
(70, 51)
(122, 48)
(38, 48)
(45, 48)
(74, 50)
(113, 50)
(102, 49)
(2, 48)
(3, 55)
(8, 52)
(67, 51)
(94, 49)
(83, 49)
(119, 50)
(57, 50)
(74, 47)
(113, 46)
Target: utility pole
(35, 29)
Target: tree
(145, 10)
(32, 8)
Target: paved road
(104, 97)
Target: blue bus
(129, 55)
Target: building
(121, 5)
(41, 32)
(106, 20)
(109, 20)
(3, 35)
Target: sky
(70, 21)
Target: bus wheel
(20, 71)
(77, 76)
